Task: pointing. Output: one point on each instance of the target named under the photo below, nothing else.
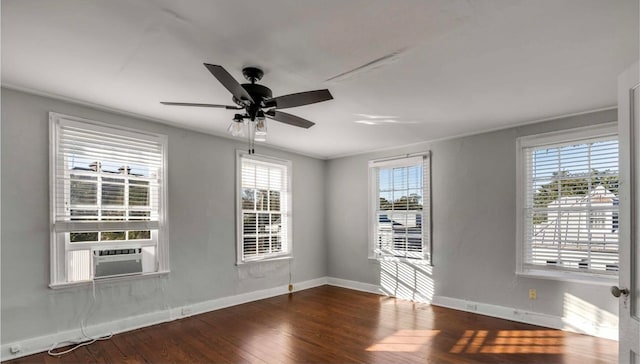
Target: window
(568, 203)
(107, 199)
(400, 212)
(264, 208)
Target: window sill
(266, 259)
(131, 277)
(574, 277)
(415, 261)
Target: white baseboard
(527, 317)
(62, 338)
(45, 342)
(355, 285)
(224, 302)
(503, 312)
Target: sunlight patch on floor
(510, 342)
(405, 340)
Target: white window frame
(60, 228)
(286, 202)
(575, 135)
(423, 159)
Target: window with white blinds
(264, 208)
(569, 202)
(400, 208)
(107, 192)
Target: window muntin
(400, 208)
(570, 202)
(107, 192)
(99, 193)
(264, 205)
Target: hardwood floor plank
(272, 333)
(130, 352)
(108, 352)
(336, 325)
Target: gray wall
(201, 181)
(474, 225)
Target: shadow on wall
(584, 317)
(407, 280)
(414, 282)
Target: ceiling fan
(253, 98)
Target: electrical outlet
(290, 287)
(533, 294)
(186, 311)
(472, 307)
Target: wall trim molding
(527, 317)
(428, 143)
(355, 285)
(43, 343)
(129, 114)
(174, 124)
(502, 312)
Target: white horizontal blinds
(571, 206)
(402, 207)
(264, 204)
(107, 183)
(106, 193)
(426, 206)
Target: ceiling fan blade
(283, 117)
(299, 99)
(229, 82)
(200, 105)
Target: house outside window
(568, 204)
(108, 196)
(264, 208)
(400, 208)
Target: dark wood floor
(335, 325)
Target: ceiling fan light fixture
(261, 127)
(237, 127)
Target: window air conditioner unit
(117, 262)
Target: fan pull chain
(251, 139)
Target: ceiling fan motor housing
(257, 92)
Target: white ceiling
(447, 67)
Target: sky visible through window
(395, 183)
(578, 160)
